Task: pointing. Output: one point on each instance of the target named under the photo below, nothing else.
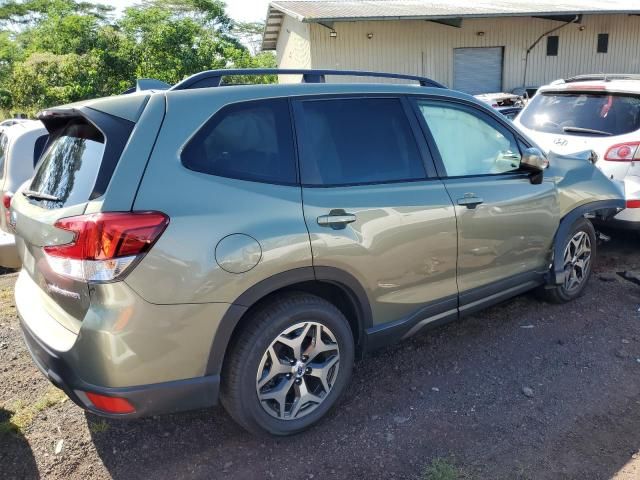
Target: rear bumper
(8, 251)
(155, 399)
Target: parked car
(11, 121)
(510, 112)
(191, 244)
(597, 112)
(20, 147)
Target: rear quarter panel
(204, 209)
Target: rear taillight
(6, 201)
(105, 245)
(633, 203)
(623, 152)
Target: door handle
(470, 201)
(336, 219)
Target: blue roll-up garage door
(477, 70)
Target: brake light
(105, 245)
(6, 201)
(623, 152)
(633, 203)
(110, 404)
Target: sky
(242, 10)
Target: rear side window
(70, 166)
(248, 141)
(596, 114)
(4, 143)
(356, 141)
(38, 148)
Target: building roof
(328, 11)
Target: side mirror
(534, 161)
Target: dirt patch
(525, 390)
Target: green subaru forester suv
(247, 243)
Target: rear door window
(248, 141)
(597, 114)
(70, 166)
(356, 141)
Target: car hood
(579, 182)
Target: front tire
(579, 254)
(288, 366)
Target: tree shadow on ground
(16, 458)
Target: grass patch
(23, 414)
(441, 469)
(98, 427)
(6, 295)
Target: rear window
(248, 141)
(583, 113)
(70, 165)
(4, 143)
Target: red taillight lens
(633, 203)
(6, 200)
(623, 152)
(110, 404)
(104, 244)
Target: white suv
(593, 112)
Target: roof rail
(603, 76)
(213, 78)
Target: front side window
(582, 113)
(356, 141)
(70, 165)
(248, 141)
(469, 143)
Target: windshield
(69, 167)
(575, 113)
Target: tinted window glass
(567, 113)
(552, 46)
(70, 166)
(603, 42)
(38, 147)
(4, 143)
(469, 143)
(249, 141)
(357, 141)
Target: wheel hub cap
(298, 370)
(577, 261)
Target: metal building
(470, 45)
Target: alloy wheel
(298, 370)
(577, 261)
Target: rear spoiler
(147, 84)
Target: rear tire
(288, 366)
(579, 255)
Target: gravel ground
(525, 390)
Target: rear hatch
(587, 118)
(79, 159)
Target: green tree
(59, 51)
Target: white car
(593, 112)
(20, 148)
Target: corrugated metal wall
(426, 48)
(293, 49)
